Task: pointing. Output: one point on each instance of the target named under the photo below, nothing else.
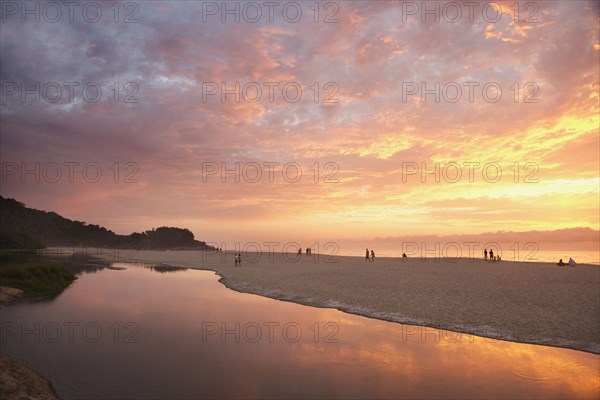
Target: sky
(309, 122)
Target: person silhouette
(491, 255)
(561, 263)
(404, 255)
(372, 255)
(485, 254)
(367, 255)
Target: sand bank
(524, 302)
(7, 294)
(17, 381)
(20, 383)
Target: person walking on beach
(485, 254)
(367, 255)
(491, 255)
(372, 255)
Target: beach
(537, 303)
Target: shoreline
(352, 285)
(400, 320)
(523, 302)
(20, 382)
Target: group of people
(308, 251)
(372, 258)
(491, 254)
(562, 264)
(493, 257)
(370, 255)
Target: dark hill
(24, 227)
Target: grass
(36, 279)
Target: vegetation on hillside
(27, 228)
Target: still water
(152, 333)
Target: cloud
(357, 111)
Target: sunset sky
(369, 133)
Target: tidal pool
(148, 332)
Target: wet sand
(538, 303)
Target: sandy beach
(537, 303)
